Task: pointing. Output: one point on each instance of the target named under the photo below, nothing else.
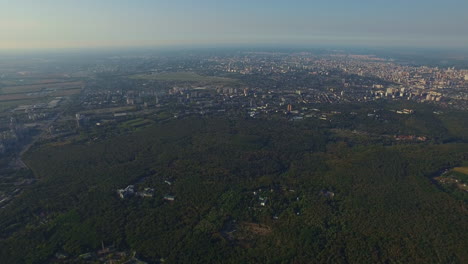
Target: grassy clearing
(110, 110)
(463, 170)
(182, 77)
(139, 122)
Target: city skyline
(53, 24)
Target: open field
(109, 110)
(67, 92)
(5, 105)
(39, 87)
(25, 96)
(256, 229)
(139, 122)
(33, 81)
(182, 77)
(8, 97)
(463, 170)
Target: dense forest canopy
(247, 190)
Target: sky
(57, 24)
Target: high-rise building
(12, 124)
(289, 107)
(79, 119)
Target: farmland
(33, 88)
(109, 110)
(27, 96)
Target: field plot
(456, 178)
(137, 123)
(5, 105)
(9, 97)
(182, 77)
(463, 170)
(109, 110)
(12, 97)
(67, 92)
(17, 89)
(25, 96)
(33, 81)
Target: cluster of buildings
(11, 135)
(147, 192)
(104, 255)
(129, 191)
(391, 80)
(410, 138)
(405, 111)
(267, 83)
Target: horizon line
(195, 46)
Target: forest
(247, 191)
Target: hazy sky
(37, 24)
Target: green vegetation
(384, 208)
(119, 109)
(182, 77)
(137, 123)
